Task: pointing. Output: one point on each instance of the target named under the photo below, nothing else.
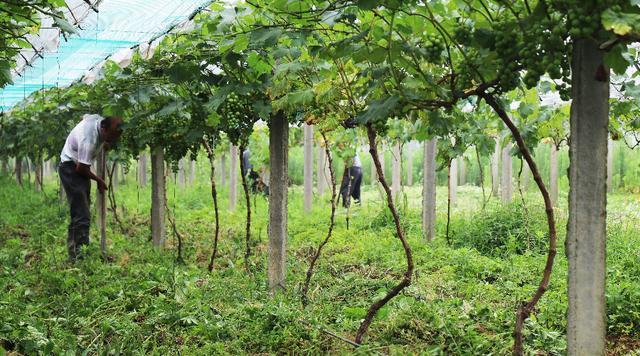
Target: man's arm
(85, 170)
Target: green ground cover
(462, 300)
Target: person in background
(256, 182)
(351, 182)
(246, 162)
(80, 149)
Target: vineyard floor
(462, 300)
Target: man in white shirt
(83, 145)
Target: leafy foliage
(504, 230)
(20, 18)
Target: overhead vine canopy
(94, 31)
(19, 21)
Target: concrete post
(507, 174)
(553, 174)
(101, 204)
(429, 190)
(396, 173)
(233, 177)
(181, 174)
(278, 201)
(308, 167)
(223, 170)
(453, 181)
(495, 170)
(142, 170)
(192, 172)
(586, 226)
(462, 171)
(409, 166)
(321, 180)
(158, 197)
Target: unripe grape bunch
(237, 117)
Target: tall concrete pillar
(507, 174)
(278, 201)
(586, 226)
(429, 190)
(233, 177)
(553, 174)
(158, 197)
(308, 167)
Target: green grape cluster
(381, 127)
(184, 140)
(433, 49)
(237, 117)
(508, 46)
(545, 51)
(463, 35)
(564, 90)
(466, 76)
(542, 47)
(583, 17)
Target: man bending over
(81, 148)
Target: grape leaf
(618, 22)
(615, 60)
(379, 110)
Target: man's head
(111, 128)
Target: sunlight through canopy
(116, 26)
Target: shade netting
(116, 26)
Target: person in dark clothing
(351, 182)
(248, 167)
(256, 182)
(81, 148)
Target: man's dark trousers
(78, 189)
(353, 174)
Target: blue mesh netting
(118, 24)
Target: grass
(462, 300)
